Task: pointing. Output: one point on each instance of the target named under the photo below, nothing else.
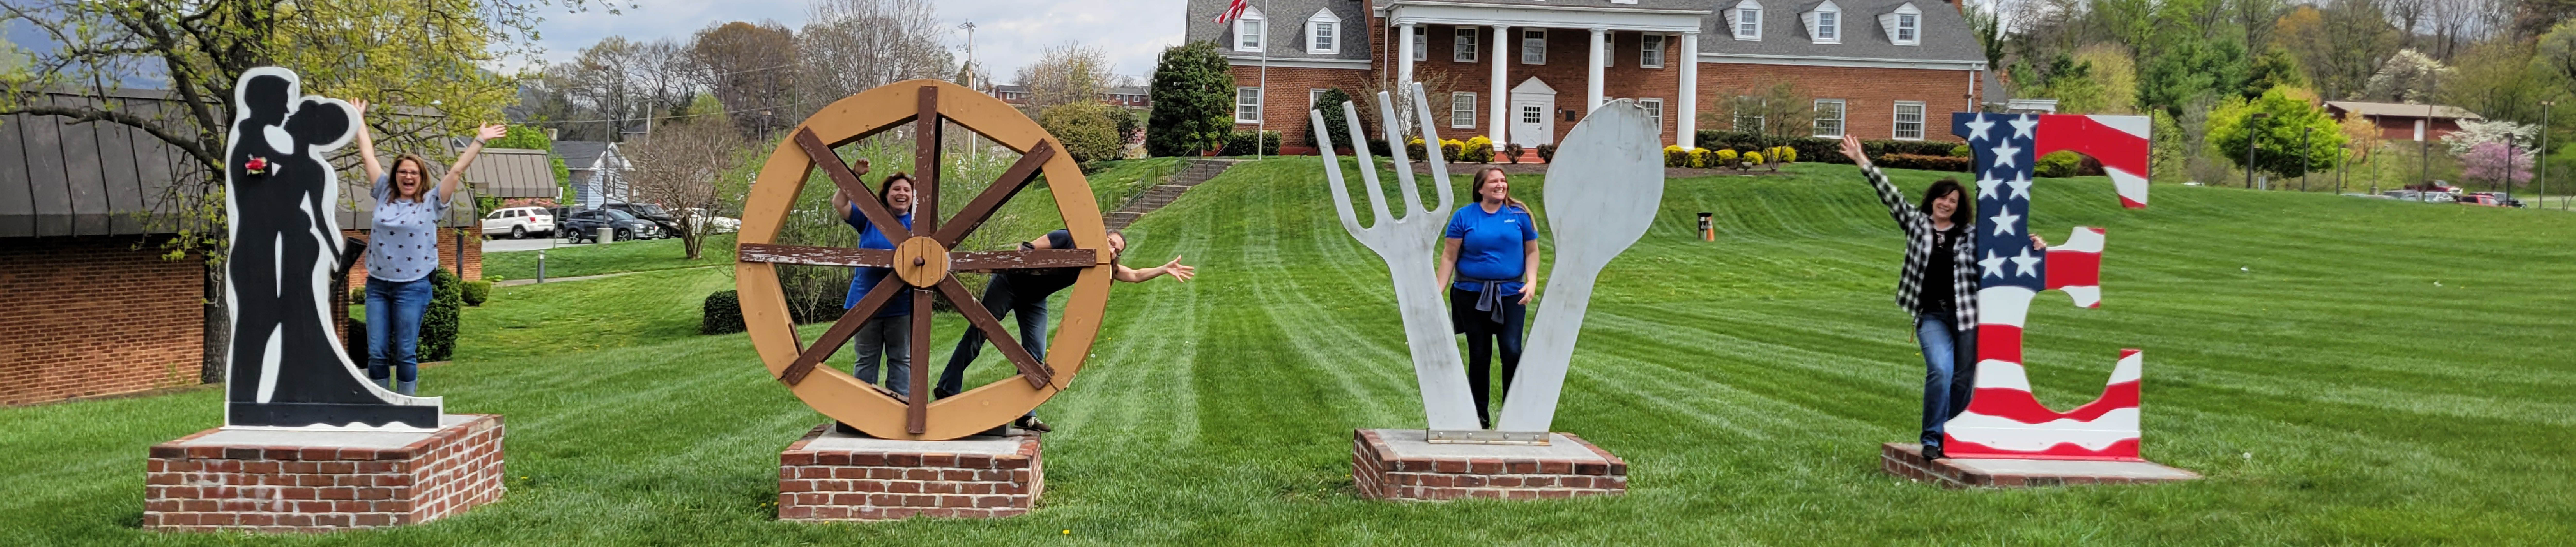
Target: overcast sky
(1008, 33)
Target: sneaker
(1932, 452)
(1031, 423)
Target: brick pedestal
(1400, 464)
(320, 481)
(830, 476)
(1906, 460)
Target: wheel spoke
(1014, 179)
(848, 324)
(925, 164)
(989, 261)
(916, 412)
(1037, 373)
(848, 182)
(815, 256)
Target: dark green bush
(1335, 125)
(1511, 153)
(477, 292)
(1962, 151)
(722, 314)
(1547, 152)
(1924, 162)
(1820, 149)
(2061, 163)
(1240, 144)
(438, 325)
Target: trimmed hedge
(477, 292)
(722, 314)
(438, 325)
(1818, 149)
(1240, 144)
(1927, 163)
(1547, 152)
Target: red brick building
(1522, 71)
(2404, 122)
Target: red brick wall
(1290, 88)
(94, 316)
(1869, 94)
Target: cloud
(1008, 34)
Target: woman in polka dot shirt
(402, 251)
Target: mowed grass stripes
(2345, 371)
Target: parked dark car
(649, 213)
(584, 225)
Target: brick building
(88, 304)
(2404, 122)
(1522, 71)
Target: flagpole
(1261, 125)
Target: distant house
(2404, 122)
(1013, 94)
(598, 173)
(1129, 96)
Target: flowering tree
(2475, 132)
(2497, 161)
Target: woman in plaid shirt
(1938, 286)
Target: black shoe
(1933, 453)
(845, 429)
(1031, 423)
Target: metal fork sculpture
(1406, 243)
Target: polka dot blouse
(402, 242)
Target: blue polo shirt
(1490, 245)
(866, 279)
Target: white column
(1498, 96)
(1404, 57)
(1686, 126)
(1592, 83)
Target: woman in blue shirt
(888, 334)
(402, 251)
(1492, 248)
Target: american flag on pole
(1232, 11)
(2003, 419)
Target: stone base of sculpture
(829, 476)
(1400, 464)
(1906, 460)
(321, 481)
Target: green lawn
(622, 256)
(2345, 371)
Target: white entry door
(1533, 113)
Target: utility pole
(2424, 154)
(2308, 150)
(2543, 154)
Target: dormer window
(1825, 23)
(1323, 33)
(1249, 30)
(1746, 18)
(1904, 25)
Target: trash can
(607, 235)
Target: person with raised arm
(1024, 293)
(402, 250)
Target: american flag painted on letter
(2004, 420)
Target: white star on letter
(1992, 265)
(2004, 221)
(1986, 186)
(2020, 186)
(1977, 127)
(2027, 265)
(2023, 125)
(2004, 154)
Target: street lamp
(2252, 132)
(2310, 151)
(2543, 181)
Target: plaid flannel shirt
(1918, 251)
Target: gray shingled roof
(580, 154)
(1946, 35)
(1287, 20)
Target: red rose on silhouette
(256, 165)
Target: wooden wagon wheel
(924, 260)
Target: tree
(2501, 79)
(849, 46)
(1775, 114)
(2476, 132)
(1336, 122)
(2274, 69)
(2557, 51)
(1988, 26)
(2189, 69)
(2339, 44)
(417, 53)
(1088, 131)
(2280, 149)
(2111, 75)
(1067, 73)
(2407, 77)
(685, 165)
(2496, 162)
(1193, 94)
(753, 70)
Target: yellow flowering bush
(1479, 150)
(1676, 156)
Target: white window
(1825, 23)
(1247, 105)
(1463, 48)
(1462, 110)
(1829, 118)
(1747, 20)
(1249, 31)
(1323, 33)
(1903, 24)
(1315, 99)
(1531, 113)
(1650, 53)
(1909, 121)
(1421, 42)
(1534, 47)
(1654, 111)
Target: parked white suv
(518, 222)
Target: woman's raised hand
(489, 132)
(1851, 149)
(1180, 272)
(2038, 243)
(360, 105)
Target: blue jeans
(1000, 300)
(393, 327)
(891, 339)
(1949, 372)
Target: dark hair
(1477, 188)
(1959, 216)
(396, 183)
(885, 191)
